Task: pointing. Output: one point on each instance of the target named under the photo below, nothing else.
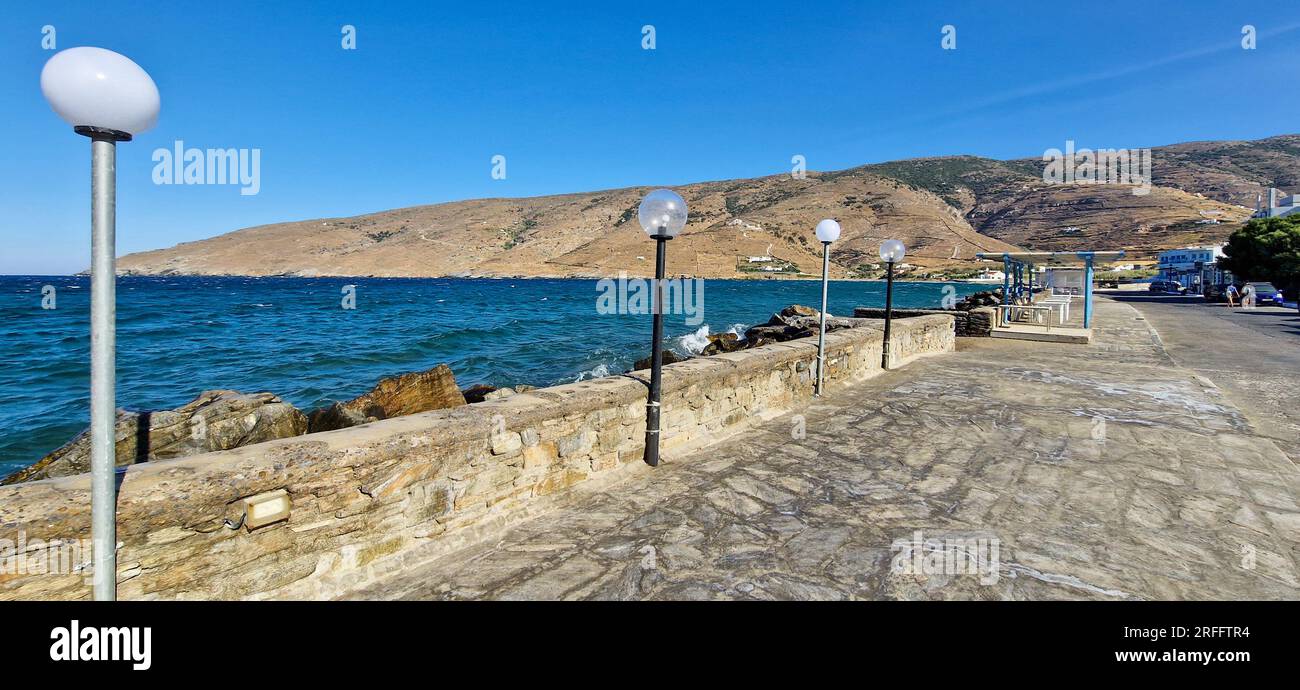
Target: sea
(317, 340)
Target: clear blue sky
(565, 92)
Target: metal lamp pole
(656, 355)
(889, 312)
(108, 98)
(103, 355)
(827, 231)
(821, 332)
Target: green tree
(1266, 249)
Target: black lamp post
(662, 215)
(891, 251)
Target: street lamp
(827, 231)
(662, 215)
(891, 252)
(107, 97)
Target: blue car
(1265, 293)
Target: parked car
(1265, 293)
(1215, 293)
(1167, 287)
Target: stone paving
(1008, 470)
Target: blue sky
(567, 94)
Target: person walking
(1231, 294)
(1247, 296)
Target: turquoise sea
(178, 336)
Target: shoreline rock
(422, 391)
(984, 298)
(666, 357)
(482, 392)
(795, 321)
(215, 420)
(478, 392)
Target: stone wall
(373, 499)
(975, 323)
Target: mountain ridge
(944, 208)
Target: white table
(1037, 314)
(1059, 304)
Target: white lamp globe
(828, 231)
(892, 251)
(93, 87)
(662, 213)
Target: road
(1253, 355)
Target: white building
(1276, 208)
(1190, 266)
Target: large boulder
(795, 311)
(421, 391)
(776, 332)
(723, 342)
(795, 321)
(216, 420)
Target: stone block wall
(370, 500)
(975, 323)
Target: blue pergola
(1018, 272)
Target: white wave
(596, 372)
(694, 343)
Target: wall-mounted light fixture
(265, 509)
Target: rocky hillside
(945, 209)
(596, 234)
(1201, 191)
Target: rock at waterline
(795, 311)
(478, 392)
(216, 420)
(775, 333)
(420, 391)
(481, 392)
(980, 299)
(668, 357)
(723, 342)
(795, 321)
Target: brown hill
(944, 209)
(1010, 201)
(596, 234)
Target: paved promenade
(1009, 470)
